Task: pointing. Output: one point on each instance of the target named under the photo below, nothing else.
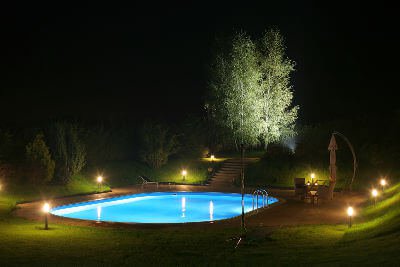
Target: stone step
(229, 171)
(222, 175)
(231, 168)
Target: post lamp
(184, 173)
(383, 183)
(350, 212)
(312, 177)
(99, 181)
(212, 157)
(46, 210)
(374, 194)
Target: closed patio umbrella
(332, 165)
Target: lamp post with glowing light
(99, 182)
(46, 210)
(374, 194)
(383, 184)
(212, 157)
(184, 173)
(312, 177)
(350, 212)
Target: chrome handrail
(264, 195)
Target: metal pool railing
(260, 193)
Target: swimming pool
(161, 207)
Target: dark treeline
(55, 151)
(374, 138)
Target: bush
(157, 144)
(40, 165)
(68, 150)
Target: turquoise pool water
(162, 207)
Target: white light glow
(211, 211)
(183, 207)
(46, 207)
(374, 192)
(212, 157)
(312, 175)
(99, 179)
(383, 182)
(98, 213)
(184, 172)
(350, 211)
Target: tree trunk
(243, 226)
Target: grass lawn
(281, 172)
(270, 172)
(372, 240)
(127, 172)
(10, 194)
(115, 174)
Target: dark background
(93, 61)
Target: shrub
(40, 165)
(68, 149)
(157, 144)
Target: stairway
(229, 171)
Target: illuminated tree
(236, 96)
(236, 99)
(251, 96)
(279, 116)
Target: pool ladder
(262, 193)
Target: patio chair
(146, 180)
(300, 188)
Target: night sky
(95, 61)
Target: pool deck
(288, 212)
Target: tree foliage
(235, 92)
(251, 95)
(157, 144)
(279, 116)
(68, 149)
(40, 165)
(105, 143)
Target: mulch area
(288, 212)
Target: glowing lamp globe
(212, 157)
(374, 192)
(350, 211)
(184, 172)
(312, 175)
(383, 182)
(99, 179)
(46, 207)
